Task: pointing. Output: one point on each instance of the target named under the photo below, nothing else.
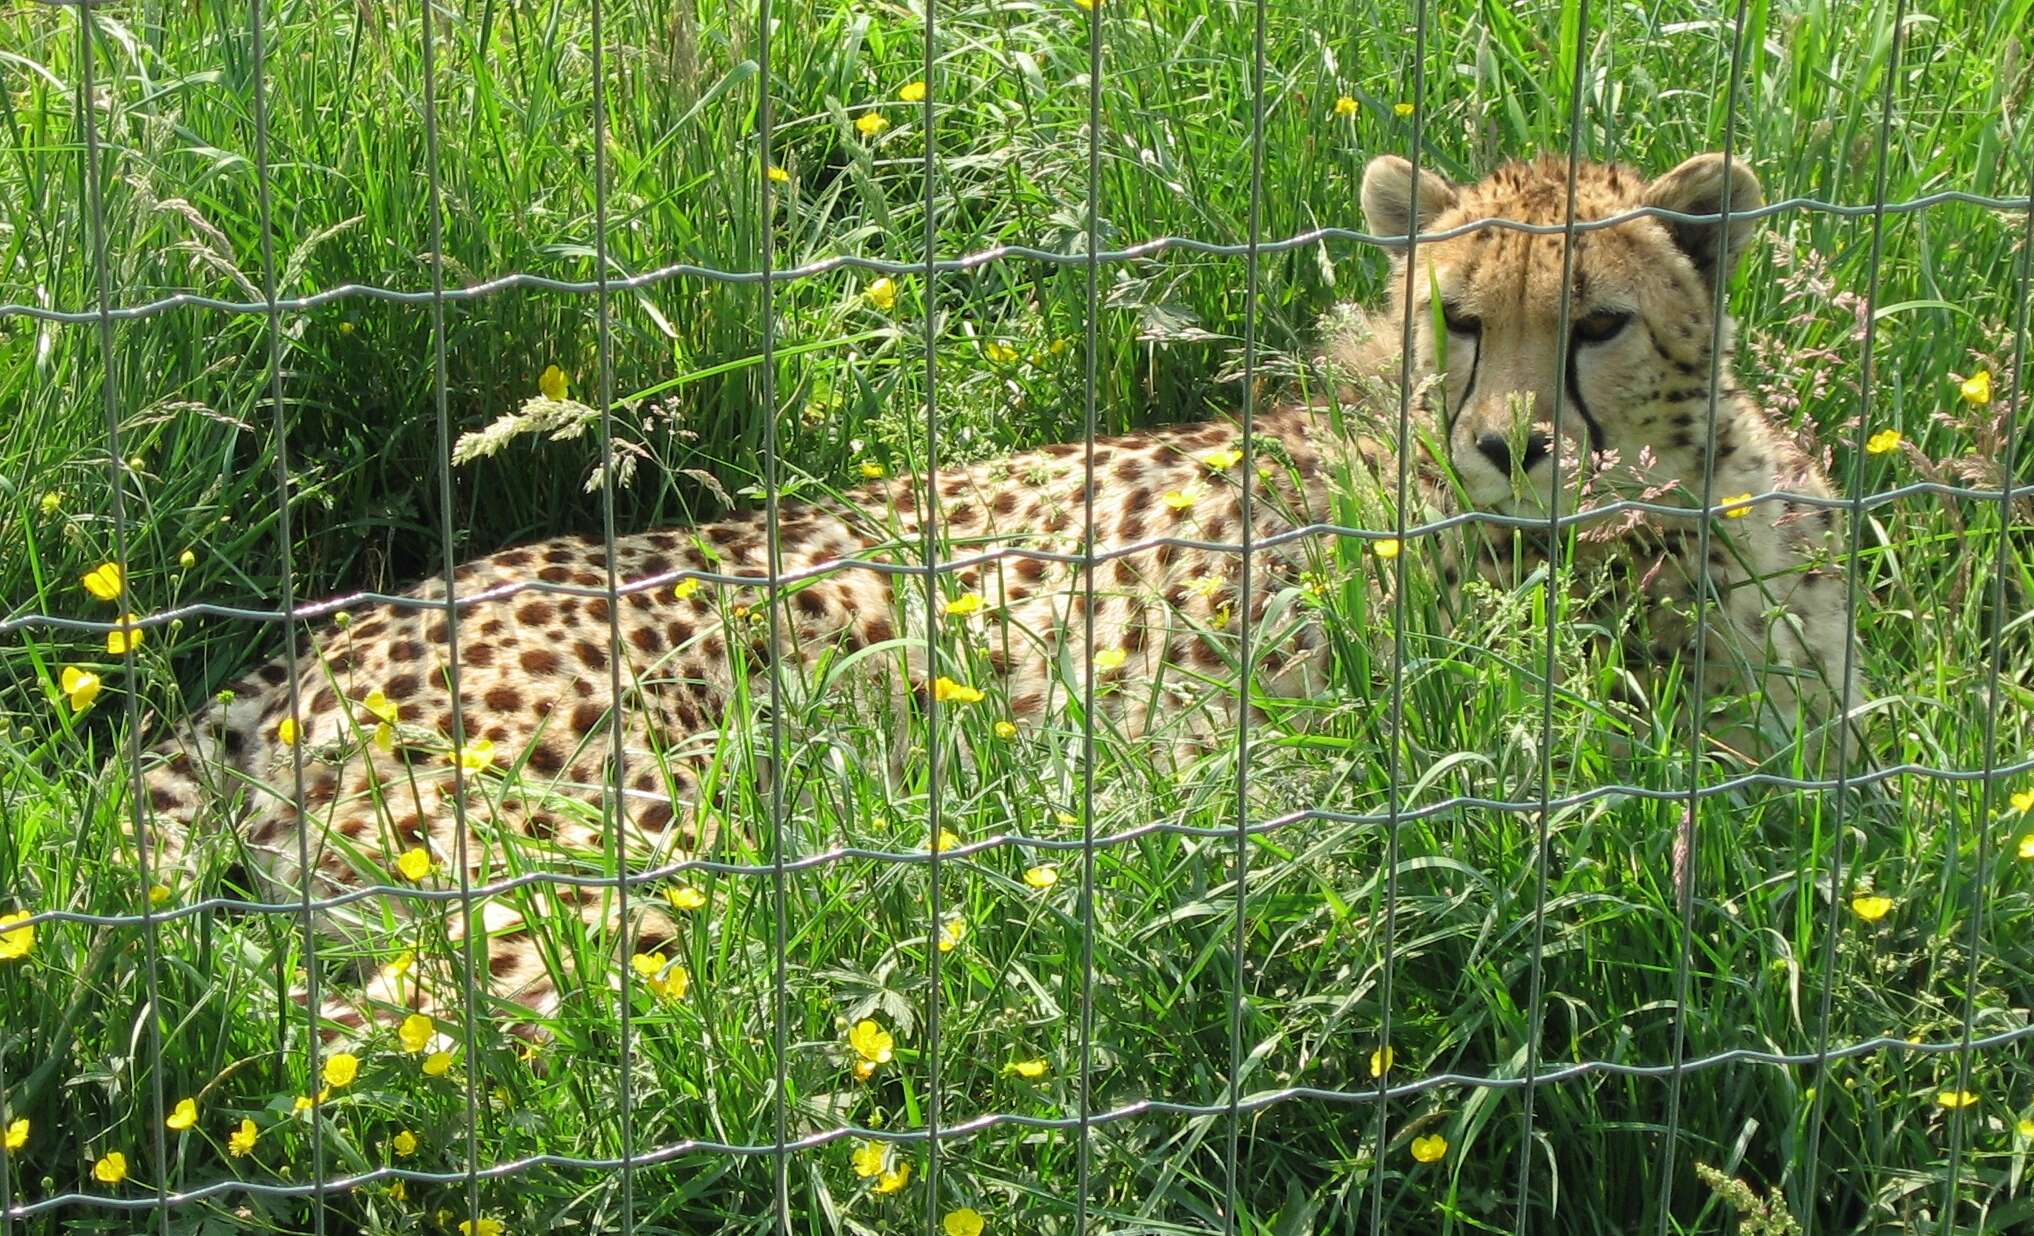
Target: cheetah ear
(1388, 198)
(1698, 187)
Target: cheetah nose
(1494, 448)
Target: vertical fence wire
(264, 177)
(1246, 620)
(1543, 826)
(773, 538)
(929, 534)
(116, 471)
(614, 809)
(1395, 753)
(1686, 835)
(1838, 878)
(1995, 671)
(1090, 368)
(441, 398)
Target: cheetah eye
(1460, 323)
(1601, 326)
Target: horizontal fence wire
(953, 565)
(939, 1130)
(974, 260)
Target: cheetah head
(1634, 373)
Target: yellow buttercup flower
(1204, 585)
(158, 893)
(946, 690)
(967, 1221)
(341, 1068)
(1869, 907)
(1110, 658)
(1737, 506)
(2025, 1128)
(946, 840)
(2027, 846)
(104, 581)
(1977, 388)
(2023, 800)
(664, 979)
(1006, 729)
(383, 737)
(869, 1158)
(1882, 441)
(126, 636)
(415, 863)
(553, 383)
(964, 604)
(481, 1227)
(80, 687)
(895, 1180)
(112, 1169)
(871, 470)
(405, 1143)
(416, 1032)
(1224, 459)
(1380, 1062)
(17, 1134)
(286, 733)
(869, 124)
(883, 295)
(15, 942)
(1182, 499)
(52, 502)
(999, 353)
(476, 755)
(778, 175)
(685, 897)
(912, 92)
(951, 933)
(381, 706)
(1403, 109)
(1955, 1099)
(1345, 106)
(684, 588)
(240, 1143)
(1387, 549)
(185, 1115)
(1431, 1149)
(871, 1042)
(1029, 1070)
(1042, 876)
(437, 1064)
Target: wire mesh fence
(940, 1136)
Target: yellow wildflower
(1224, 459)
(778, 175)
(1204, 585)
(416, 1032)
(684, 588)
(381, 706)
(1380, 1061)
(80, 687)
(999, 353)
(871, 470)
(1067, 818)
(126, 636)
(1387, 549)
(869, 1158)
(2027, 846)
(895, 1180)
(967, 1221)
(964, 604)
(1110, 658)
(1737, 506)
(52, 502)
(437, 1064)
(1006, 729)
(405, 1144)
(481, 1227)
(685, 897)
(1345, 106)
(111, 1169)
(871, 1042)
(1429, 1149)
(1954, 1099)
(286, 733)
(187, 559)
(1977, 388)
(1403, 109)
(870, 124)
(158, 893)
(15, 942)
(2023, 800)
(553, 383)
(415, 863)
(951, 933)
(912, 92)
(104, 581)
(341, 1068)
(17, 1134)
(185, 1115)
(240, 1143)
(1182, 499)
(662, 977)
(946, 690)
(1882, 441)
(946, 840)
(1043, 876)
(1029, 1070)
(2025, 1128)
(401, 963)
(383, 737)
(883, 295)
(1870, 907)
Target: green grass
(77, 1049)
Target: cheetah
(376, 778)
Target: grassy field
(1441, 929)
